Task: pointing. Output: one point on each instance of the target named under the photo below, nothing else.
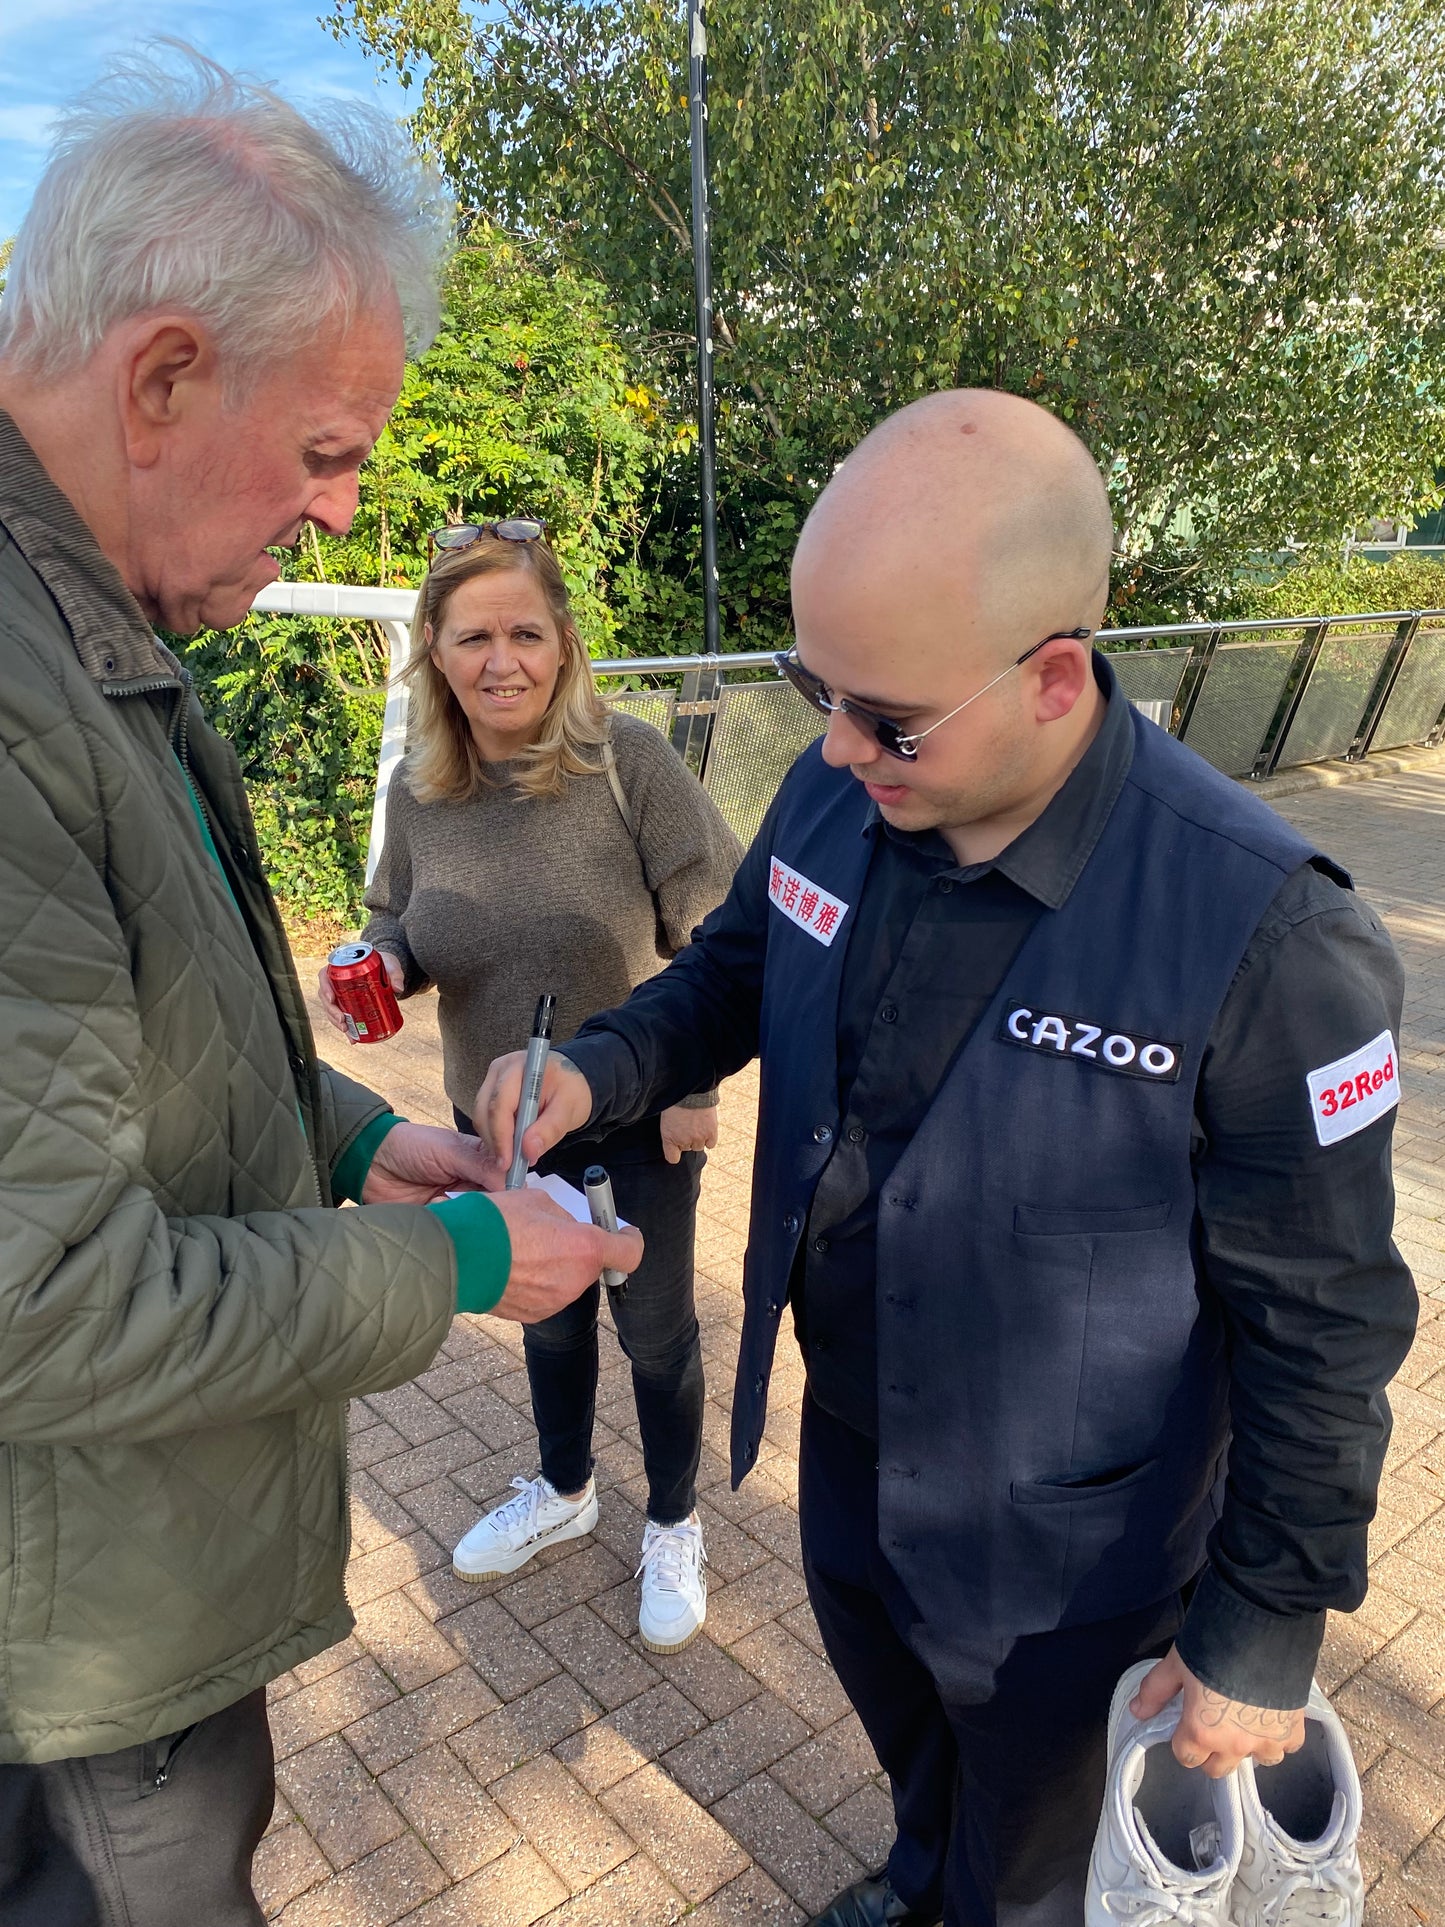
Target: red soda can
(358, 977)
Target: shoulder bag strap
(619, 795)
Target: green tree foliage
(523, 404)
(1209, 233)
(1354, 588)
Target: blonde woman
(517, 861)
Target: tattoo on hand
(1264, 1722)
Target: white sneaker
(516, 1531)
(674, 1586)
(1301, 1865)
(1169, 1840)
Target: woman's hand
(395, 976)
(685, 1129)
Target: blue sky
(50, 49)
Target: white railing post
(393, 737)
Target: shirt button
(820, 1244)
(856, 1134)
(889, 1013)
(823, 1134)
(759, 1383)
(945, 888)
(792, 1223)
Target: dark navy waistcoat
(1052, 1388)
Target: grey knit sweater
(501, 898)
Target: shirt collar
(112, 638)
(1048, 857)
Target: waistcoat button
(823, 1134)
(792, 1223)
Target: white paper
(569, 1197)
(572, 1201)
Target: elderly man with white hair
(202, 335)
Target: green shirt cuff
(348, 1176)
(484, 1248)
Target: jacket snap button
(889, 1013)
(823, 1134)
(791, 1223)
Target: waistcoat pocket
(1077, 1488)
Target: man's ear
(167, 375)
(1064, 670)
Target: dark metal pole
(702, 282)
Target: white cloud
(27, 124)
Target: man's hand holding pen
(565, 1105)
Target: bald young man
(1046, 1169)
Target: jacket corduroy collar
(112, 638)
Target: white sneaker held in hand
(674, 1586)
(1301, 1863)
(516, 1531)
(1170, 1838)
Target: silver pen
(538, 1046)
(598, 1187)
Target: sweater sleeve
(689, 855)
(389, 892)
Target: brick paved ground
(492, 1756)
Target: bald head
(941, 583)
(979, 507)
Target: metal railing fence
(1250, 697)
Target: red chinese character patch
(805, 903)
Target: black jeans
(159, 1835)
(656, 1325)
(997, 1771)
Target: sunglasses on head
(891, 737)
(465, 535)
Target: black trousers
(159, 1835)
(656, 1321)
(997, 1771)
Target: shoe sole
(575, 1529)
(655, 1646)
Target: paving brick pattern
(497, 1755)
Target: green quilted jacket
(183, 1312)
